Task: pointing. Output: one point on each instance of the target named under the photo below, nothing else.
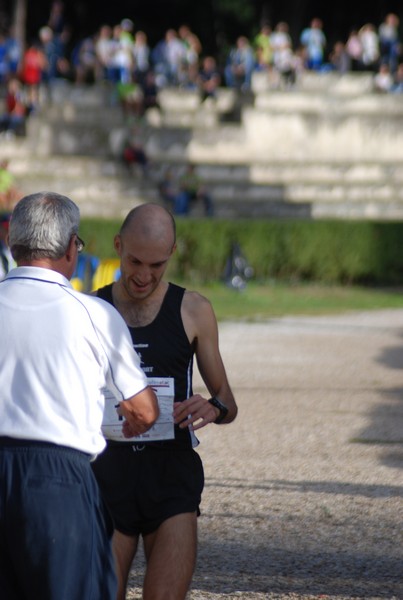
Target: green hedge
(328, 251)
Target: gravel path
(304, 491)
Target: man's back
(54, 360)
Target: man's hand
(140, 412)
(195, 412)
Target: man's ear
(173, 248)
(71, 249)
(117, 242)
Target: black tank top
(165, 351)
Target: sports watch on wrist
(214, 401)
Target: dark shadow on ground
(320, 487)
(273, 569)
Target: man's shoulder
(194, 302)
(95, 305)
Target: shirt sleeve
(123, 373)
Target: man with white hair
(59, 350)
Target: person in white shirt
(60, 351)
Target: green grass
(257, 301)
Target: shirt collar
(38, 273)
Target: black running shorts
(145, 485)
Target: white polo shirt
(58, 349)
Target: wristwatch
(214, 401)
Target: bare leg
(124, 549)
(171, 558)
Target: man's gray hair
(41, 226)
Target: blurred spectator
(14, 54)
(397, 87)
(3, 58)
(52, 50)
(383, 79)
(285, 64)
(240, 64)
(280, 38)
(283, 56)
(150, 91)
(389, 45)
(126, 32)
(314, 41)
(370, 47)
(339, 58)
(191, 189)
(175, 56)
(121, 60)
(131, 98)
(168, 189)
(34, 63)
(84, 59)
(193, 49)
(104, 52)
(133, 153)
(56, 19)
(190, 41)
(263, 45)
(141, 56)
(16, 108)
(168, 56)
(9, 194)
(209, 78)
(354, 50)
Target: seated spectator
(85, 61)
(9, 194)
(168, 57)
(240, 64)
(284, 60)
(280, 40)
(209, 78)
(397, 87)
(191, 189)
(134, 155)
(339, 58)
(285, 64)
(168, 189)
(131, 98)
(150, 91)
(13, 120)
(383, 79)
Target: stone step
(106, 187)
(331, 83)
(288, 172)
(281, 173)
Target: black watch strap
(214, 401)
